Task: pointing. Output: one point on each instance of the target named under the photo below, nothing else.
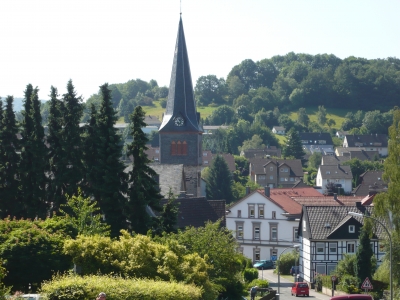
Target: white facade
(261, 227)
(322, 182)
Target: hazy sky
(48, 42)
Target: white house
(265, 221)
(368, 142)
(337, 174)
(278, 130)
(329, 232)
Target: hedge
(75, 287)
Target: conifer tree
(363, 266)
(168, 218)
(9, 161)
(55, 150)
(105, 173)
(71, 172)
(33, 163)
(219, 181)
(143, 190)
(293, 146)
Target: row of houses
(269, 220)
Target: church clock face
(179, 121)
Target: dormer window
(328, 172)
(352, 228)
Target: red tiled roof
(328, 200)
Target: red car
(300, 288)
(353, 297)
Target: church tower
(180, 132)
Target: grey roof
(335, 216)
(333, 160)
(180, 101)
(367, 140)
(313, 138)
(335, 172)
(370, 182)
(364, 155)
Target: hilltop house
(317, 142)
(275, 172)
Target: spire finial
(180, 7)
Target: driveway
(285, 286)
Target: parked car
(300, 289)
(264, 264)
(353, 297)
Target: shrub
(250, 274)
(73, 287)
(348, 284)
(261, 283)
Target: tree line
(37, 171)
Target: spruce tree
(71, 172)
(105, 173)
(9, 161)
(55, 150)
(363, 266)
(33, 163)
(168, 218)
(293, 146)
(219, 181)
(143, 190)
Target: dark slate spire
(180, 103)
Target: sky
(47, 42)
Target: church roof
(180, 101)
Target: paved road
(285, 286)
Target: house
(275, 172)
(264, 221)
(278, 130)
(326, 233)
(370, 142)
(357, 152)
(267, 152)
(317, 142)
(340, 134)
(370, 183)
(337, 174)
(196, 211)
(208, 129)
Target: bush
(348, 284)
(250, 274)
(261, 283)
(73, 287)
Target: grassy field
(332, 113)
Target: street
(285, 286)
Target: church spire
(181, 111)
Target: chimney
(335, 196)
(267, 191)
(247, 190)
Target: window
(271, 177)
(261, 177)
(204, 153)
(274, 215)
(179, 148)
(285, 170)
(261, 211)
(257, 233)
(320, 249)
(239, 215)
(291, 179)
(271, 168)
(282, 179)
(273, 232)
(351, 247)
(304, 225)
(239, 230)
(328, 172)
(157, 150)
(257, 254)
(296, 234)
(352, 228)
(206, 162)
(251, 211)
(332, 248)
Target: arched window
(173, 148)
(179, 148)
(184, 148)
